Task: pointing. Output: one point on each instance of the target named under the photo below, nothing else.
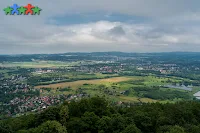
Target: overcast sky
(101, 25)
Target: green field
(126, 89)
(80, 83)
(112, 86)
(45, 64)
(38, 64)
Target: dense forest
(97, 115)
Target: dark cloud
(118, 30)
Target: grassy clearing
(79, 83)
(36, 64)
(43, 64)
(147, 100)
(112, 88)
(128, 99)
(195, 90)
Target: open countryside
(126, 81)
(77, 84)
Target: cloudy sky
(101, 25)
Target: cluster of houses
(37, 104)
(13, 79)
(165, 68)
(100, 69)
(42, 71)
(162, 68)
(15, 88)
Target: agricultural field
(38, 64)
(61, 77)
(80, 83)
(46, 64)
(123, 79)
(126, 89)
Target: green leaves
(5, 128)
(95, 115)
(131, 129)
(89, 121)
(52, 113)
(104, 124)
(176, 129)
(51, 127)
(64, 115)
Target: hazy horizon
(99, 52)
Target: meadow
(135, 89)
(112, 86)
(38, 64)
(77, 84)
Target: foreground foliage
(96, 115)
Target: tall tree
(51, 127)
(64, 115)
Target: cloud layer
(138, 26)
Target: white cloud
(101, 34)
(169, 30)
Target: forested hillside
(96, 115)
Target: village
(19, 95)
(37, 103)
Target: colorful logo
(23, 10)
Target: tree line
(97, 115)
